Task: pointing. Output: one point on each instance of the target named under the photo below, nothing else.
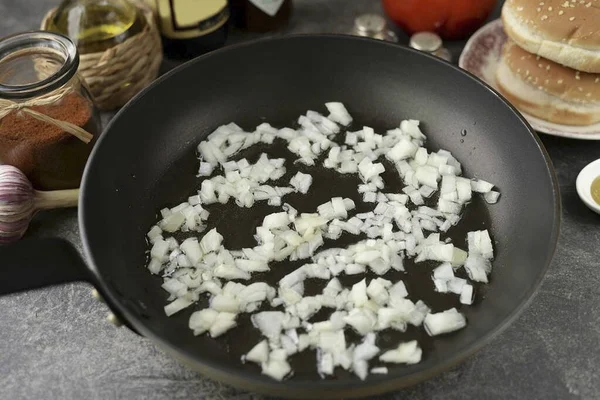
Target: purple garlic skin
(16, 203)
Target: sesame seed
(538, 9)
(522, 57)
(561, 12)
(518, 70)
(519, 8)
(565, 4)
(588, 5)
(547, 81)
(550, 8)
(529, 78)
(544, 17)
(588, 94)
(577, 75)
(527, 72)
(580, 89)
(540, 65)
(537, 58)
(548, 67)
(541, 3)
(572, 19)
(597, 80)
(560, 81)
(539, 87)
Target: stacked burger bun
(550, 67)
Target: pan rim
(318, 389)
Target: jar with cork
(48, 123)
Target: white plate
(584, 184)
(481, 56)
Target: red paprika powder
(51, 158)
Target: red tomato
(451, 19)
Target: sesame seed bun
(564, 31)
(548, 90)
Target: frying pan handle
(35, 263)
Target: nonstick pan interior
(146, 160)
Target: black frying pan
(146, 160)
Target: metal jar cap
(369, 25)
(426, 41)
(373, 26)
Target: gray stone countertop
(56, 344)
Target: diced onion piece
(444, 272)
(466, 295)
(159, 250)
(301, 182)
(259, 353)
(491, 197)
(456, 284)
(325, 364)
(476, 267)
(202, 320)
(361, 320)
(276, 369)
(338, 113)
(427, 175)
(224, 303)
(405, 353)
(206, 169)
(444, 322)
(404, 149)
(191, 248)
(177, 305)
(269, 323)
(481, 186)
(379, 370)
(224, 322)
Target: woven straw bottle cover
(116, 75)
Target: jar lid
(369, 25)
(426, 41)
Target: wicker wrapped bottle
(118, 43)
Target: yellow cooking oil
(97, 25)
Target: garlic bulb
(19, 201)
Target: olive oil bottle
(97, 25)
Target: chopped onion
(394, 229)
(338, 113)
(405, 353)
(379, 370)
(444, 322)
(259, 353)
(301, 182)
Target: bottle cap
(373, 26)
(426, 41)
(369, 25)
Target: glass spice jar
(48, 122)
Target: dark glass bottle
(191, 28)
(260, 15)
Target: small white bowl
(584, 184)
